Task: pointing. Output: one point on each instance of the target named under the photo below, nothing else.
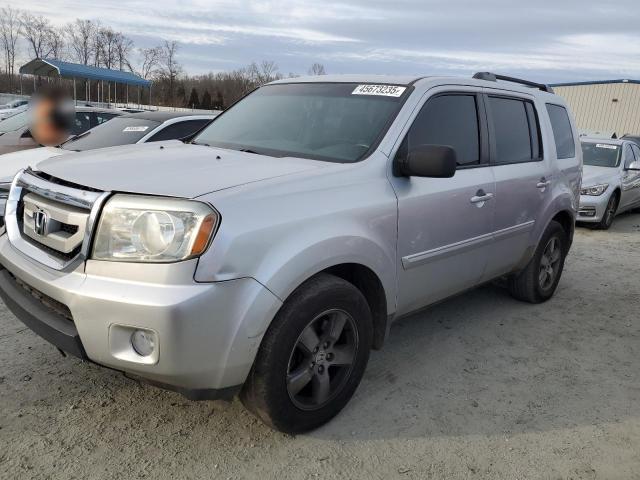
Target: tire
(532, 284)
(609, 213)
(300, 381)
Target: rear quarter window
(562, 133)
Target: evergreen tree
(219, 103)
(206, 101)
(194, 101)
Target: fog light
(143, 342)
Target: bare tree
(107, 43)
(36, 31)
(266, 72)
(80, 37)
(317, 69)
(9, 32)
(170, 68)
(151, 58)
(55, 43)
(124, 46)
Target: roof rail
(493, 77)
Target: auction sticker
(379, 90)
(605, 145)
(135, 129)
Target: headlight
(135, 228)
(595, 190)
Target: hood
(596, 175)
(10, 163)
(170, 168)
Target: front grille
(70, 229)
(47, 218)
(53, 226)
(46, 301)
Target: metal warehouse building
(604, 106)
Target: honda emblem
(40, 219)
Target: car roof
(607, 141)
(163, 116)
(382, 79)
(424, 82)
(82, 108)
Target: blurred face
(49, 125)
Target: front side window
(82, 123)
(601, 154)
(337, 122)
(562, 133)
(450, 120)
(515, 130)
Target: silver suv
(271, 255)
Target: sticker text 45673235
(380, 90)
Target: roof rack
(493, 77)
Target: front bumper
(592, 208)
(207, 333)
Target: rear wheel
(609, 213)
(312, 357)
(538, 281)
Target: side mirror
(435, 161)
(633, 166)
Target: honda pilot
(271, 255)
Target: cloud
(547, 40)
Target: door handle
(480, 197)
(543, 183)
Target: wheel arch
(370, 285)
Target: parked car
(19, 138)
(12, 108)
(126, 129)
(271, 255)
(611, 180)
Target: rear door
(523, 177)
(445, 224)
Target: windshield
(601, 154)
(117, 131)
(335, 122)
(14, 122)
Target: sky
(546, 40)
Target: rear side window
(450, 120)
(179, 130)
(562, 133)
(515, 129)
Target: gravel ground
(480, 386)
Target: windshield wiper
(248, 150)
(198, 143)
(76, 137)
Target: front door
(445, 224)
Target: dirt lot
(478, 387)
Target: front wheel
(609, 213)
(312, 357)
(538, 281)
